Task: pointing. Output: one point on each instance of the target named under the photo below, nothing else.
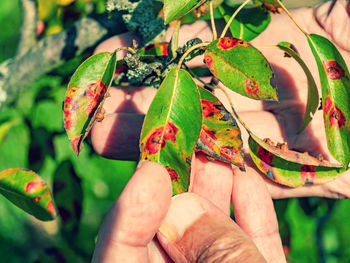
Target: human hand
(117, 136)
(191, 228)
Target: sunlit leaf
(220, 136)
(85, 95)
(176, 9)
(241, 67)
(68, 195)
(28, 191)
(288, 167)
(335, 83)
(172, 127)
(249, 22)
(312, 95)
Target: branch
(28, 28)
(20, 72)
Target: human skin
(117, 137)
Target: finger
(136, 216)
(255, 214)
(195, 230)
(212, 180)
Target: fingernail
(184, 210)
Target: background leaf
(28, 191)
(220, 136)
(249, 22)
(85, 95)
(241, 67)
(312, 95)
(335, 83)
(176, 9)
(172, 127)
(68, 196)
(288, 167)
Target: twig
(189, 51)
(213, 27)
(28, 29)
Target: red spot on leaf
(336, 117)
(75, 144)
(265, 157)
(333, 69)
(155, 140)
(173, 174)
(208, 108)
(208, 138)
(307, 174)
(165, 49)
(229, 152)
(68, 124)
(32, 187)
(51, 208)
(209, 61)
(327, 105)
(271, 8)
(36, 199)
(228, 42)
(251, 86)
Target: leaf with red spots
(86, 92)
(177, 9)
(312, 95)
(335, 83)
(68, 195)
(241, 67)
(28, 191)
(220, 136)
(155, 49)
(290, 168)
(249, 22)
(172, 127)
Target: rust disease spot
(228, 43)
(307, 174)
(208, 108)
(251, 86)
(265, 158)
(333, 69)
(208, 138)
(173, 174)
(336, 117)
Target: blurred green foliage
(32, 136)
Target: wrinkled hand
(191, 228)
(117, 136)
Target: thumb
(195, 230)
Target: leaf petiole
(213, 27)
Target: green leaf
(68, 196)
(28, 191)
(241, 67)
(177, 9)
(86, 92)
(220, 136)
(5, 128)
(335, 83)
(172, 127)
(249, 22)
(312, 95)
(290, 168)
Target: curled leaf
(335, 83)
(290, 168)
(220, 136)
(172, 127)
(312, 95)
(86, 92)
(28, 191)
(241, 67)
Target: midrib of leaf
(169, 111)
(241, 33)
